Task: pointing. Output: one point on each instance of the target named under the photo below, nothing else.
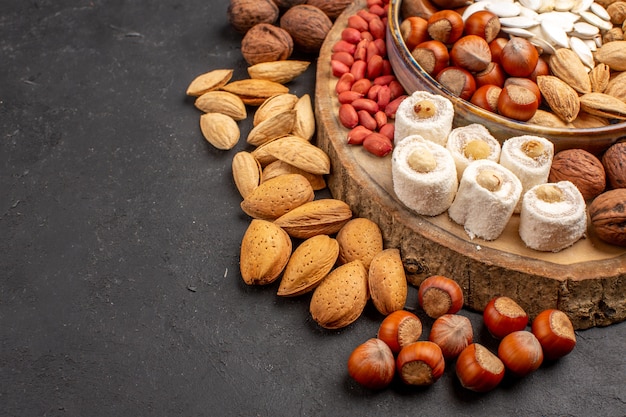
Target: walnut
(580, 167)
(243, 14)
(614, 161)
(608, 216)
(307, 25)
(265, 43)
(332, 8)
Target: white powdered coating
(429, 193)
(481, 212)
(551, 227)
(530, 171)
(459, 137)
(435, 128)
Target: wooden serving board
(587, 281)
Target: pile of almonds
(311, 245)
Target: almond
(603, 105)
(599, 77)
(560, 97)
(265, 251)
(220, 130)
(304, 125)
(222, 102)
(566, 65)
(247, 172)
(255, 92)
(308, 265)
(299, 153)
(209, 81)
(278, 196)
(324, 216)
(616, 87)
(360, 238)
(612, 54)
(281, 71)
(387, 281)
(274, 105)
(341, 297)
(276, 126)
(279, 167)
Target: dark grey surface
(120, 292)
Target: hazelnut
(580, 167)
(608, 216)
(307, 25)
(422, 161)
(614, 161)
(476, 149)
(265, 43)
(424, 109)
(243, 14)
(489, 179)
(550, 193)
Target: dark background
(120, 227)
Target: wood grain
(586, 281)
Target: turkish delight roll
(471, 143)
(553, 216)
(424, 114)
(529, 157)
(485, 200)
(423, 175)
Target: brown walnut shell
(307, 25)
(614, 161)
(287, 4)
(580, 167)
(332, 8)
(266, 43)
(608, 216)
(243, 14)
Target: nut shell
(243, 14)
(332, 8)
(307, 25)
(265, 251)
(359, 238)
(614, 161)
(266, 43)
(608, 216)
(580, 167)
(341, 297)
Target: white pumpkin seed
(582, 50)
(564, 5)
(473, 8)
(600, 11)
(521, 22)
(533, 5)
(554, 34)
(546, 6)
(593, 19)
(504, 9)
(542, 44)
(591, 44)
(582, 6)
(522, 33)
(585, 30)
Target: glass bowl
(414, 78)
